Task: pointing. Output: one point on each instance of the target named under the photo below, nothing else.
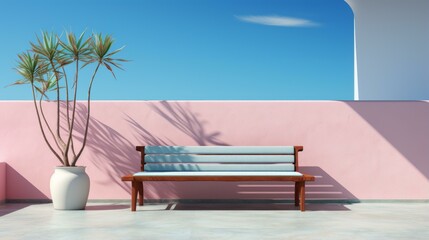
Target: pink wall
(2, 182)
(357, 150)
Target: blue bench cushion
(219, 150)
(187, 167)
(219, 159)
(188, 158)
(214, 173)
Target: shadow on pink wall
(2, 182)
(107, 143)
(187, 122)
(410, 139)
(325, 187)
(114, 154)
(26, 188)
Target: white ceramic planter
(69, 188)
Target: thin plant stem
(58, 113)
(68, 110)
(69, 140)
(88, 115)
(47, 124)
(41, 126)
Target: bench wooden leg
(141, 193)
(297, 188)
(302, 196)
(134, 191)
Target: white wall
(392, 49)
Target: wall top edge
(210, 101)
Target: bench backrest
(219, 158)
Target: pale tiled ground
(217, 221)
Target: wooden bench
(218, 163)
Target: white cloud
(278, 21)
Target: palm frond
(29, 67)
(76, 48)
(19, 82)
(41, 92)
(46, 46)
(109, 68)
(88, 62)
(101, 46)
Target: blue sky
(199, 49)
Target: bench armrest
(141, 150)
(297, 149)
(127, 178)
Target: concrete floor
(217, 221)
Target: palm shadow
(183, 119)
(115, 156)
(188, 122)
(143, 136)
(113, 153)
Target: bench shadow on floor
(107, 207)
(254, 207)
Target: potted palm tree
(47, 67)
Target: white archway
(391, 49)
